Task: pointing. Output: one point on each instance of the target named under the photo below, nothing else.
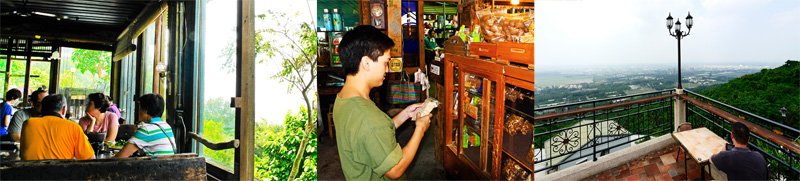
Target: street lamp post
(678, 34)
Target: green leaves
(279, 149)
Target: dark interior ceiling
(87, 21)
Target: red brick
(632, 177)
(651, 170)
(654, 160)
(665, 168)
(637, 170)
(623, 174)
(663, 176)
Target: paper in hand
(426, 108)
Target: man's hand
(424, 122)
(406, 114)
(411, 109)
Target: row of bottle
(332, 22)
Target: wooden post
(245, 125)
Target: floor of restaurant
(424, 166)
(659, 165)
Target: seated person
(98, 119)
(23, 115)
(155, 136)
(740, 163)
(52, 136)
(113, 108)
(6, 111)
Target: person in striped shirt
(155, 136)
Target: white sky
(592, 33)
(272, 100)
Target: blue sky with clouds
(592, 33)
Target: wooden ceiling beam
(146, 16)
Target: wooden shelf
(524, 164)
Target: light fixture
(44, 14)
(55, 55)
(678, 26)
(784, 112)
(514, 2)
(689, 21)
(669, 21)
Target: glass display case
(491, 132)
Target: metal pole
(680, 35)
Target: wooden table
(700, 144)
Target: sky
(272, 99)
(595, 33)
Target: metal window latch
(236, 102)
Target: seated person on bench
(155, 136)
(52, 136)
(98, 118)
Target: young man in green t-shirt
(365, 134)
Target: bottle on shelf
(326, 20)
(337, 20)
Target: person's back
(741, 164)
(52, 137)
(152, 140)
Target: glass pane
(518, 129)
(17, 74)
(40, 76)
(473, 103)
(218, 77)
(84, 69)
(456, 97)
(148, 59)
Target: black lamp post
(678, 34)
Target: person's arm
(404, 115)
(92, 120)
(127, 151)
(113, 127)
(6, 120)
(16, 125)
(411, 148)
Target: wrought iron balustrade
(569, 134)
(775, 141)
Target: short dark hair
(740, 132)
(53, 103)
(13, 94)
(35, 95)
(100, 102)
(364, 40)
(109, 98)
(153, 104)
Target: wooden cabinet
(489, 108)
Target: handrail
(214, 146)
(745, 112)
(601, 100)
(599, 108)
(772, 136)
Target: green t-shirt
(366, 139)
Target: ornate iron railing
(572, 133)
(775, 141)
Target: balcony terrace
(629, 137)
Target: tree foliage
(278, 149)
(764, 93)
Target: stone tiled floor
(659, 165)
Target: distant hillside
(764, 93)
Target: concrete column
(679, 109)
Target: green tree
(299, 67)
(279, 148)
(214, 131)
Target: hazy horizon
(574, 34)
